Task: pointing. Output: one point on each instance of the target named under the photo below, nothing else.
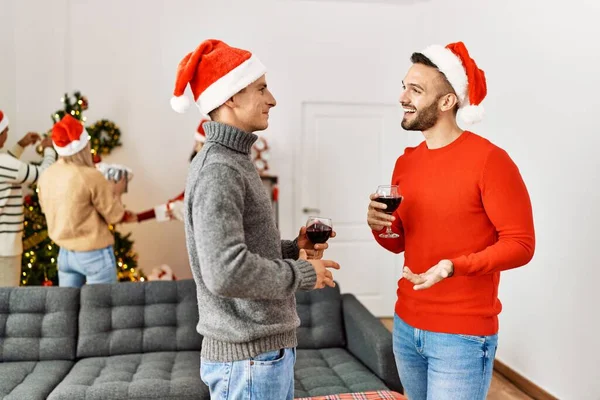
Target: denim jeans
(75, 268)
(435, 366)
(266, 376)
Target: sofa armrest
(370, 342)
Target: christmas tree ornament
(260, 155)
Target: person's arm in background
(27, 140)
(106, 197)
(13, 170)
(162, 211)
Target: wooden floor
(501, 389)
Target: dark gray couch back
(320, 314)
(38, 323)
(138, 317)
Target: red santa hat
(69, 136)
(465, 77)
(200, 135)
(215, 72)
(3, 121)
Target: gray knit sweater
(246, 276)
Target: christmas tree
(40, 253)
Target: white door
(346, 151)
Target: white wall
(32, 64)
(540, 59)
(7, 58)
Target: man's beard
(424, 119)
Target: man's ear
(448, 102)
(231, 102)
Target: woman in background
(80, 204)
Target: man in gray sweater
(246, 276)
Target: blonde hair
(82, 158)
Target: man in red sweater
(465, 216)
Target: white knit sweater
(13, 175)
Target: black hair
(420, 58)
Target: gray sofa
(139, 341)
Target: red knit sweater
(465, 202)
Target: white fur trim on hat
(451, 66)
(4, 123)
(74, 147)
(229, 84)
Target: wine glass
(390, 196)
(318, 229)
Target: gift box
(114, 172)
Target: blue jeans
(435, 366)
(75, 268)
(266, 376)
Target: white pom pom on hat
(180, 103)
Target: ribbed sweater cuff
(307, 274)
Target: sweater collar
(229, 136)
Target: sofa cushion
(168, 375)
(331, 371)
(38, 323)
(138, 317)
(320, 313)
(31, 380)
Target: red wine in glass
(392, 203)
(318, 229)
(390, 196)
